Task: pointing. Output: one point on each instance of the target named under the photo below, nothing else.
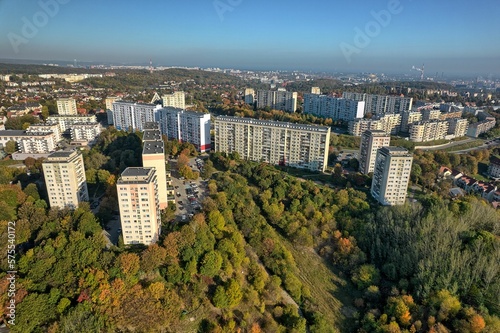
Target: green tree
(10, 147)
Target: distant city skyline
(380, 36)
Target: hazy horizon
(382, 36)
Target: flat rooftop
(151, 135)
(136, 175)
(273, 123)
(12, 133)
(151, 126)
(153, 147)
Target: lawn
(472, 144)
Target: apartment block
(133, 116)
(431, 130)
(37, 143)
(458, 127)
(137, 190)
(85, 132)
(332, 107)
(359, 126)
(65, 122)
(46, 128)
(277, 100)
(391, 175)
(381, 104)
(66, 106)
(279, 143)
(65, 179)
(371, 141)
(186, 126)
(176, 99)
(476, 129)
(391, 123)
(249, 96)
(408, 118)
(430, 114)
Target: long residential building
(66, 106)
(391, 175)
(408, 118)
(431, 130)
(176, 99)
(138, 200)
(30, 142)
(186, 126)
(332, 107)
(476, 129)
(389, 123)
(277, 100)
(38, 143)
(46, 128)
(274, 142)
(85, 132)
(458, 127)
(65, 180)
(381, 104)
(66, 121)
(133, 116)
(371, 141)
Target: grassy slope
(333, 294)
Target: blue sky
(448, 36)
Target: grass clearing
(333, 294)
(472, 144)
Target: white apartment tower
(332, 107)
(371, 141)
(176, 99)
(279, 143)
(85, 132)
(277, 100)
(130, 115)
(391, 175)
(137, 191)
(66, 106)
(186, 126)
(153, 156)
(65, 179)
(381, 104)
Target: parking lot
(188, 193)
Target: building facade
(332, 107)
(153, 156)
(85, 132)
(476, 129)
(65, 122)
(279, 143)
(380, 104)
(186, 126)
(458, 127)
(46, 128)
(431, 130)
(38, 143)
(391, 175)
(66, 106)
(277, 100)
(133, 116)
(408, 118)
(137, 190)
(176, 99)
(494, 167)
(249, 96)
(65, 179)
(371, 141)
